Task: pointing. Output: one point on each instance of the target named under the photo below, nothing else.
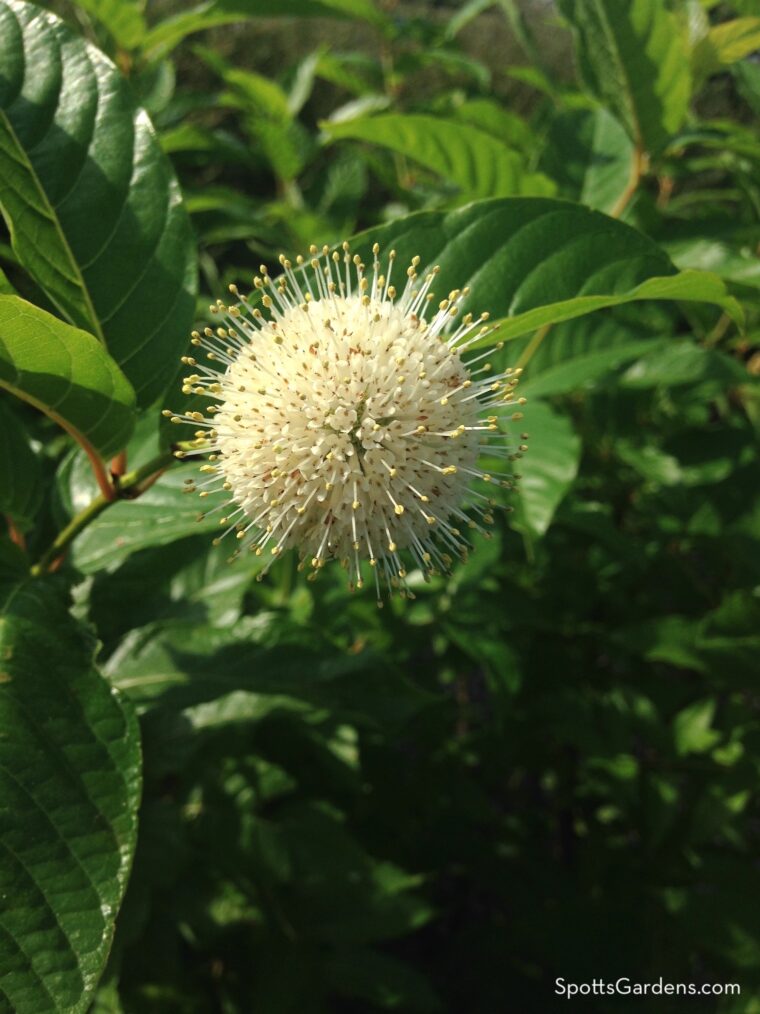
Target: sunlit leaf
(161, 39)
(65, 373)
(479, 164)
(122, 19)
(92, 205)
(547, 470)
(533, 262)
(692, 727)
(633, 58)
(725, 44)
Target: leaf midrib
(610, 35)
(97, 330)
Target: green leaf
(20, 472)
(450, 62)
(548, 468)
(169, 33)
(732, 261)
(466, 13)
(747, 7)
(537, 261)
(94, 210)
(182, 665)
(725, 44)
(575, 356)
(165, 512)
(69, 791)
(122, 19)
(701, 458)
(479, 164)
(747, 76)
(494, 119)
(589, 155)
(6, 288)
(683, 362)
(525, 32)
(267, 116)
(260, 93)
(688, 286)
(67, 374)
(692, 730)
(632, 57)
(14, 566)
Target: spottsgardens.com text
(624, 986)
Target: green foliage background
(225, 795)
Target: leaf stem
(532, 347)
(98, 468)
(724, 323)
(127, 487)
(638, 168)
(57, 548)
(107, 489)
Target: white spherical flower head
(346, 421)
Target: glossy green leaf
(161, 39)
(476, 162)
(588, 153)
(69, 791)
(632, 57)
(537, 261)
(20, 472)
(548, 468)
(65, 373)
(94, 210)
(164, 513)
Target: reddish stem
(105, 485)
(15, 534)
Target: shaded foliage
(542, 766)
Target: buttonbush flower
(346, 419)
